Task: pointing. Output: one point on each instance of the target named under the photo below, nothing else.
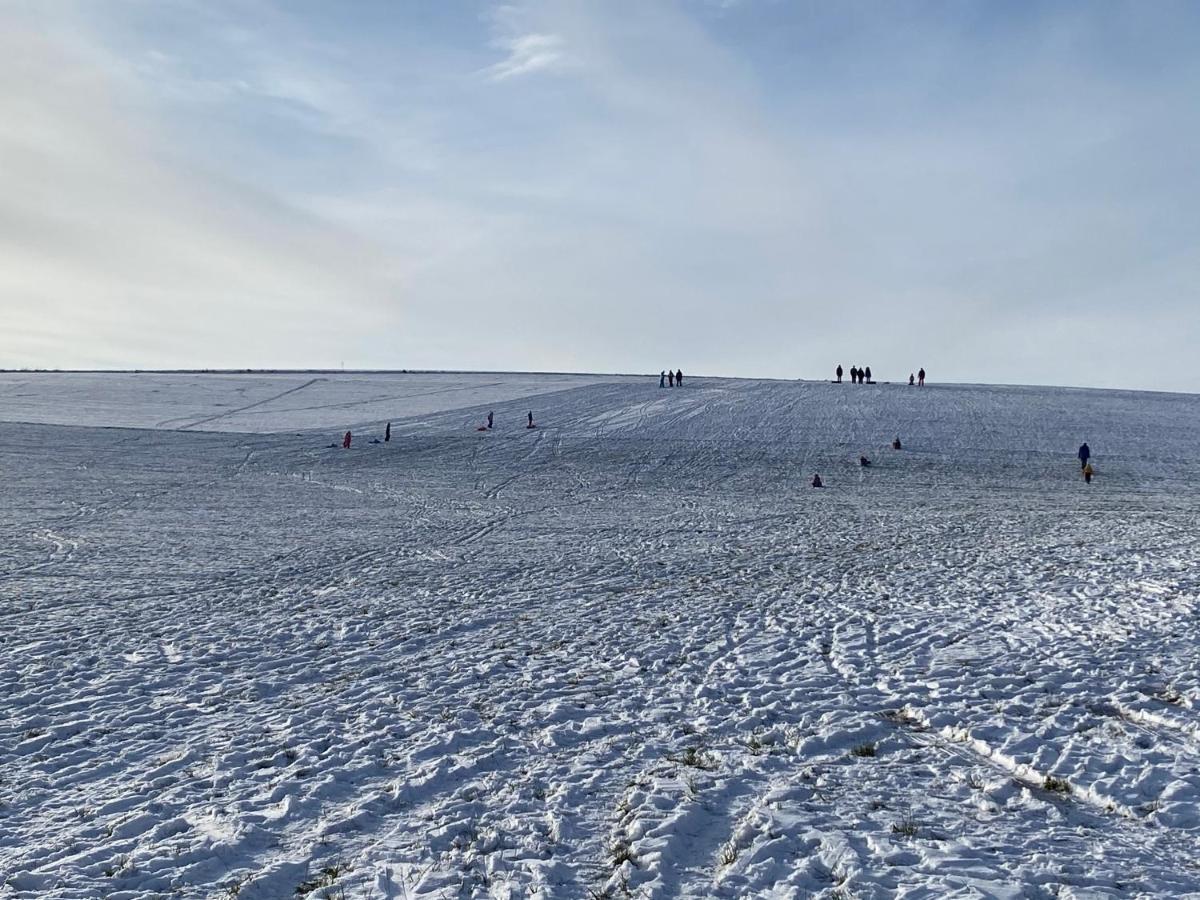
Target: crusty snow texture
(630, 652)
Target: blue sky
(1001, 192)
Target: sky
(998, 192)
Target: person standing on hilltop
(670, 378)
(911, 379)
(838, 372)
(662, 378)
(679, 377)
(921, 377)
(867, 375)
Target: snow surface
(630, 652)
(256, 403)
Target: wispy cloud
(528, 53)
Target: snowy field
(628, 653)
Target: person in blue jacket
(1085, 453)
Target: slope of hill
(628, 652)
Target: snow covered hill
(630, 652)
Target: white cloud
(529, 53)
(115, 250)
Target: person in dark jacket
(816, 482)
(1084, 454)
(920, 377)
(387, 432)
(896, 443)
(911, 379)
(530, 425)
(867, 374)
(863, 461)
(489, 421)
(670, 378)
(854, 375)
(662, 379)
(679, 377)
(839, 373)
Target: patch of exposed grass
(1056, 785)
(325, 878)
(906, 827)
(619, 851)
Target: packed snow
(629, 652)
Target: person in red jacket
(346, 441)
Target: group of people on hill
(857, 375)
(1084, 455)
(675, 379)
(863, 376)
(491, 421)
(863, 461)
(488, 424)
(670, 379)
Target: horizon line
(344, 371)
